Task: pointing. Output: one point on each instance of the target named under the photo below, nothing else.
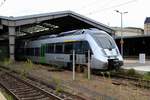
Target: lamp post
(121, 41)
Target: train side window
(50, 48)
(31, 51)
(68, 47)
(28, 51)
(46, 47)
(37, 52)
(59, 48)
(25, 51)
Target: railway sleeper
(20, 88)
(23, 95)
(22, 91)
(29, 92)
(10, 86)
(33, 98)
(17, 87)
(46, 98)
(21, 84)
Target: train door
(86, 48)
(81, 48)
(42, 53)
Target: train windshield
(105, 42)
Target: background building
(147, 26)
(128, 31)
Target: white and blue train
(57, 49)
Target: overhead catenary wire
(114, 6)
(87, 5)
(103, 5)
(95, 3)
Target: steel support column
(11, 42)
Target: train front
(106, 54)
(112, 54)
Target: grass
(7, 62)
(134, 73)
(58, 87)
(146, 76)
(129, 72)
(23, 69)
(7, 95)
(27, 67)
(29, 64)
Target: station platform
(135, 64)
(2, 97)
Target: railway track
(118, 79)
(135, 81)
(48, 88)
(23, 90)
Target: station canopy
(47, 23)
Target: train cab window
(68, 48)
(59, 48)
(104, 42)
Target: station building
(13, 29)
(135, 45)
(136, 40)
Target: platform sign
(142, 58)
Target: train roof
(74, 32)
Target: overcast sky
(99, 10)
